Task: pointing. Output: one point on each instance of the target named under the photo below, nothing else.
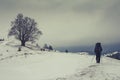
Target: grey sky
(67, 22)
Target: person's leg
(97, 59)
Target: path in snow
(107, 70)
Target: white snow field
(30, 64)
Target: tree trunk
(22, 43)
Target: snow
(115, 55)
(44, 65)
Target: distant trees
(1, 39)
(66, 51)
(45, 46)
(48, 47)
(24, 29)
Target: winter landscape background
(77, 24)
(54, 39)
(33, 64)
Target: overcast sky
(67, 22)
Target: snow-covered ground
(42, 65)
(115, 55)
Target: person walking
(98, 50)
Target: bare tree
(24, 29)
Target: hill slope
(42, 65)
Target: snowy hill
(32, 64)
(115, 55)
